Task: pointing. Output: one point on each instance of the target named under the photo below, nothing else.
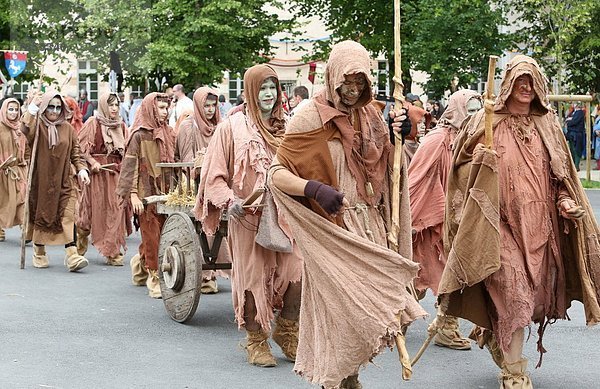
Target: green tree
(444, 39)
(564, 37)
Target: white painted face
(12, 111)
(54, 109)
(210, 107)
(473, 105)
(267, 95)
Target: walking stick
(440, 320)
(30, 178)
(395, 227)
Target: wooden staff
(30, 177)
(489, 102)
(395, 228)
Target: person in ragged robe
(235, 166)
(101, 212)
(521, 238)
(13, 166)
(195, 132)
(75, 118)
(151, 141)
(53, 194)
(336, 157)
(427, 185)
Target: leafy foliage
(444, 39)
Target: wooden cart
(184, 249)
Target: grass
(590, 184)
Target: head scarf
(64, 113)
(76, 118)
(205, 126)
(518, 66)
(347, 57)
(112, 131)
(12, 124)
(146, 117)
(456, 110)
(272, 131)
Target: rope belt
(362, 209)
(11, 173)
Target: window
(383, 77)
(236, 87)
(88, 78)
(20, 90)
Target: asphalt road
(96, 330)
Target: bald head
(178, 91)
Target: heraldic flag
(15, 62)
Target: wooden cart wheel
(180, 267)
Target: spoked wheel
(179, 267)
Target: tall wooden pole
(395, 228)
(489, 102)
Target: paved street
(96, 330)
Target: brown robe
(100, 210)
(350, 276)
(151, 141)
(517, 253)
(13, 176)
(53, 187)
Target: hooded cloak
(427, 185)
(517, 252)
(13, 175)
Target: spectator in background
(85, 106)
(224, 106)
(137, 101)
(299, 99)
(576, 134)
(182, 104)
(123, 108)
(240, 99)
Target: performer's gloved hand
(235, 209)
(328, 198)
(84, 178)
(570, 210)
(400, 124)
(33, 109)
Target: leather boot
(138, 271)
(285, 335)
(209, 286)
(258, 349)
(153, 284)
(40, 259)
(73, 260)
(117, 260)
(351, 382)
(484, 337)
(449, 336)
(2, 235)
(515, 376)
(82, 240)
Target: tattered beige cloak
(427, 185)
(13, 175)
(353, 286)
(509, 249)
(53, 186)
(100, 210)
(235, 165)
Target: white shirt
(183, 104)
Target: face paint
(267, 95)
(352, 88)
(210, 107)
(522, 91)
(54, 109)
(12, 111)
(473, 105)
(163, 110)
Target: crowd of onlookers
(574, 129)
